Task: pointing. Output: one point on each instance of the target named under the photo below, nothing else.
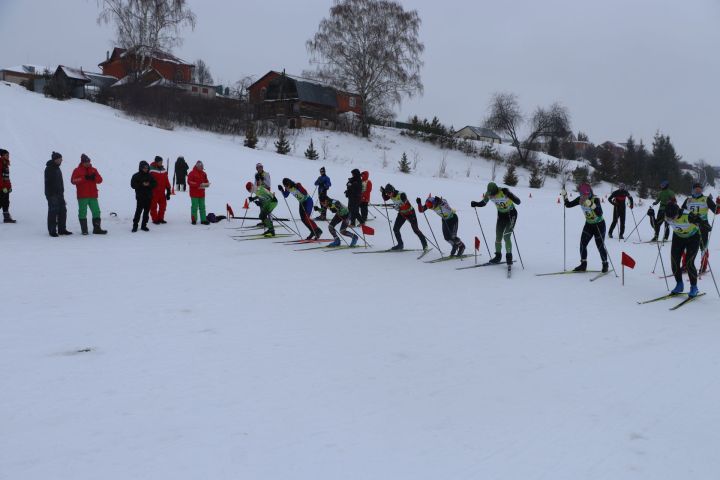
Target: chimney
(107, 54)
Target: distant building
(298, 102)
(122, 63)
(616, 149)
(478, 133)
(21, 74)
(70, 81)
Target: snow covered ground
(212, 358)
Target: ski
(425, 252)
(445, 259)
(566, 272)
(311, 248)
(509, 270)
(341, 247)
(599, 275)
(391, 251)
(686, 301)
(664, 297)
(486, 264)
(304, 241)
(261, 237)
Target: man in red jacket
(365, 197)
(161, 192)
(198, 182)
(5, 185)
(86, 179)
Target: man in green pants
(198, 181)
(505, 202)
(86, 179)
(267, 202)
(664, 197)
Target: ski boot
(311, 236)
(610, 235)
(678, 288)
(399, 246)
(318, 233)
(582, 267)
(604, 267)
(354, 241)
(654, 239)
(135, 227)
(461, 249)
(144, 227)
(453, 250)
(97, 230)
(621, 237)
(497, 258)
(269, 233)
(84, 226)
(508, 258)
(7, 218)
(205, 222)
(693, 291)
(163, 222)
(334, 243)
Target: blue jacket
(323, 183)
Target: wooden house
(71, 81)
(122, 63)
(478, 133)
(298, 102)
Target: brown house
(122, 62)
(299, 102)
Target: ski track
(211, 358)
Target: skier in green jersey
(505, 202)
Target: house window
(205, 91)
(352, 102)
(194, 89)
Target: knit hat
(84, 158)
(322, 170)
(492, 188)
(55, 156)
(3, 152)
(249, 186)
(158, 158)
(585, 189)
(199, 163)
(259, 165)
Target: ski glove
(167, 194)
(563, 192)
(280, 187)
(474, 204)
(419, 202)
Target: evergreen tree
(282, 146)
(403, 164)
(250, 136)
(510, 179)
(554, 147)
(536, 179)
(581, 175)
(607, 166)
(582, 137)
(665, 163)
(310, 153)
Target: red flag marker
(627, 261)
(477, 243)
(367, 230)
(246, 205)
(229, 210)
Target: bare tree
(147, 25)
(201, 73)
(240, 90)
(505, 116)
(370, 47)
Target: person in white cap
(262, 177)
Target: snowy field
(184, 354)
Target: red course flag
(627, 260)
(246, 205)
(229, 209)
(477, 243)
(367, 230)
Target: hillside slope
(181, 353)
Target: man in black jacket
(181, 170)
(143, 183)
(55, 195)
(617, 200)
(353, 192)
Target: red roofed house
(300, 102)
(123, 62)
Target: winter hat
(143, 164)
(585, 189)
(158, 158)
(492, 188)
(199, 163)
(249, 186)
(84, 158)
(55, 156)
(259, 165)
(322, 170)
(287, 182)
(3, 152)
(181, 158)
(672, 210)
(664, 184)
(355, 172)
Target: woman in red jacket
(161, 192)
(198, 182)
(365, 197)
(86, 179)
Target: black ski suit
(617, 200)
(55, 195)
(591, 230)
(181, 170)
(353, 192)
(143, 193)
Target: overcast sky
(620, 66)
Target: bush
(403, 164)
(510, 179)
(536, 179)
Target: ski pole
(437, 245)
(663, 266)
(657, 257)
(387, 215)
(636, 226)
(379, 211)
(483, 233)
(632, 212)
(284, 225)
(712, 275)
(518, 249)
(564, 235)
(363, 235)
(607, 252)
(297, 230)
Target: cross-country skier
(686, 239)
(305, 203)
(406, 213)
(505, 202)
(449, 221)
(617, 200)
(341, 216)
(161, 192)
(323, 184)
(665, 196)
(594, 224)
(699, 204)
(265, 199)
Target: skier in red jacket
(161, 192)
(365, 197)
(198, 182)
(86, 179)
